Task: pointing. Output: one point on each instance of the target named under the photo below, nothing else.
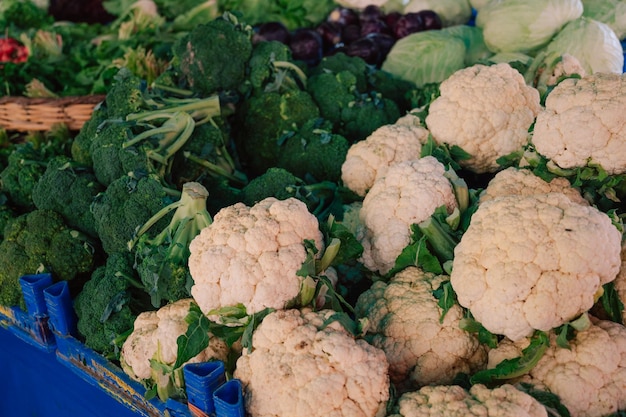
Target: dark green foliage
(212, 57)
(111, 160)
(69, 189)
(263, 123)
(123, 207)
(40, 241)
(6, 213)
(22, 14)
(314, 151)
(108, 305)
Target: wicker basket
(29, 114)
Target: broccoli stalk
(161, 262)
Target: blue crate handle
(33, 286)
(60, 309)
(201, 381)
(228, 399)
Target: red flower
(11, 50)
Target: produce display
(377, 209)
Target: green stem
(236, 177)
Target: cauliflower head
(454, 401)
(404, 321)
(372, 156)
(583, 122)
(533, 262)
(155, 335)
(251, 255)
(300, 368)
(486, 111)
(589, 377)
(408, 193)
(515, 181)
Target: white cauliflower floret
(480, 401)
(371, 157)
(589, 377)
(533, 262)
(408, 193)
(404, 321)
(299, 368)
(514, 181)
(154, 337)
(251, 255)
(486, 111)
(583, 122)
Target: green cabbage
(593, 43)
(426, 57)
(451, 12)
(476, 49)
(611, 12)
(524, 25)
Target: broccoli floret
(40, 241)
(275, 182)
(333, 92)
(128, 94)
(367, 114)
(110, 159)
(345, 89)
(339, 62)
(68, 188)
(207, 153)
(322, 198)
(6, 213)
(125, 205)
(271, 68)
(108, 304)
(314, 151)
(23, 14)
(25, 166)
(212, 57)
(81, 145)
(402, 92)
(264, 121)
(162, 261)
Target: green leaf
(196, 339)
(446, 298)
(515, 367)
(549, 400)
(484, 336)
(308, 266)
(253, 323)
(350, 248)
(416, 254)
(611, 303)
(354, 327)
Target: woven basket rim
(60, 101)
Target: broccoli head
(366, 114)
(108, 304)
(110, 158)
(272, 68)
(314, 151)
(81, 145)
(265, 120)
(207, 152)
(68, 188)
(40, 241)
(212, 57)
(125, 205)
(162, 261)
(128, 94)
(25, 166)
(333, 92)
(339, 62)
(275, 182)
